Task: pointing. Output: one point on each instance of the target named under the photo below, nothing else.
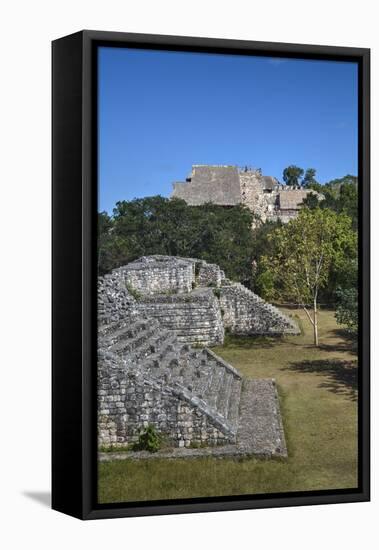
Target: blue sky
(160, 112)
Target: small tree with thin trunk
(303, 254)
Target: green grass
(317, 389)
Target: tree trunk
(315, 323)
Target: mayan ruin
(157, 315)
(230, 185)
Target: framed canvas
(210, 275)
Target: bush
(133, 292)
(347, 310)
(148, 440)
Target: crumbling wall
(262, 203)
(114, 302)
(129, 400)
(228, 186)
(209, 275)
(154, 275)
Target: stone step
(126, 344)
(162, 358)
(127, 328)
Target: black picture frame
(74, 203)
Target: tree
(292, 174)
(309, 177)
(157, 225)
(340, 195)
(347, 299)
(304, 252)
(311, 201)
(347, 309)
(263, 282)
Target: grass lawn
(317, 389)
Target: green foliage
(265, 284)
(347, 299)
(156, 225)
(148, 440)
(305, 253)
(292, 175)
(347, 309)
(311, 201)
(263, 281)
(136, 295)
(340, 195)
(309, 177)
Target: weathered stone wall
(189, 396)
(124, 403)
(127, 405)
(114, 302)
(209, 275)
(245, 313)
(253, 196)
(149, 375)
(195, 317)
(159, 275)
(263, 195)
(128, 402)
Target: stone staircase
(148, 373)
(198, 377)
(246, 313)
(194, 317)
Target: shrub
(148, 440)
(133, 292)
(347, 310)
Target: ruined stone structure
(149, 313)
(196, 301)
(148, 375)
(228, 186)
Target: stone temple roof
(217, 184)
(291, 199)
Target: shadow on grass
(341, 377)
(347, 343)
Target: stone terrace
(194, 299)
(146, 375)
(192, 397)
